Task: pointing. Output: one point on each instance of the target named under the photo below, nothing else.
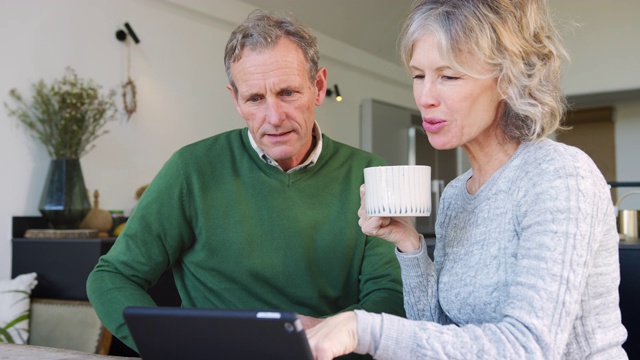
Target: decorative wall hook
(129, 90)
(121, 35)
(129, 97)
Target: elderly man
(259, 217)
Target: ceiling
(369, 25)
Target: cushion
(15, 302)
(65, 324)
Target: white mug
(403, 190)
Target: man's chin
(280, 156)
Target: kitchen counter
(629, 244)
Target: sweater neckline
(276, 172)
(495, 177)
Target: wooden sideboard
(63, 266)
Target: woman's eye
(418, 77)
(446, 77)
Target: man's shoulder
(216, 148)
(221, 140)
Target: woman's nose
(426, 95)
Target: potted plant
(66, 116)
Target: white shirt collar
(311, 159)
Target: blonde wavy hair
(516, 39)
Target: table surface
(30, 352)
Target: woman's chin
(440, 143)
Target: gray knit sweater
(526, 268)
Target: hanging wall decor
(129, 87)
(129, 97)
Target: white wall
(182, 98)
(602, 39)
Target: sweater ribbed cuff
(369, 328)
(413, 263)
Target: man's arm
(380, 280)
(150, 242)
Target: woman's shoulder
(550, 154)
(549, 160)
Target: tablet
(189, 333)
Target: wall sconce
(335, 90)
(121, 35)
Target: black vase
(64, 201)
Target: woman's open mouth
(432, 125)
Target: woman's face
(457, 109)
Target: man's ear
(321, 85)
(235, 99)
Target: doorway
(593, 131)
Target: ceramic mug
(403, 190)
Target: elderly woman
(526, 257)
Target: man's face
(277, 100)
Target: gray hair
(516, 39)
(262, 30)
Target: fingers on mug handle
(362, 199)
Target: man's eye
(254, 99)
(287, 93)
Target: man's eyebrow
(250, 95)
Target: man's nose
(275, 113)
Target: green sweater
(239, 233)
